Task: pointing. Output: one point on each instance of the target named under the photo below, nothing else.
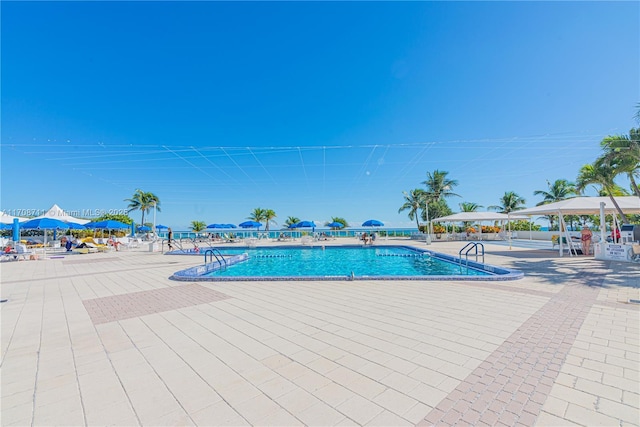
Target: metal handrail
(215, 253)
(471, 246)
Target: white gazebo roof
(5, 218)
(480, 216)
(585, 206)
(56, 212)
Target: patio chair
(93, 244)
(24, 253)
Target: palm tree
(603, 175)
(510, 202)
(469, 207)
(561, 189)
(291, 220)
(269, 214)
(622, 153)
(337, 219)
(439, 186)
(143, 201)
(258, 215)
(413, 201)
(198, 226)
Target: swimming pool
(340, 263)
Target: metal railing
(470, 247)
(215, 253)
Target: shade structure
(250, 224)
(372, 223)
(161, 227)
(480, 216)
(44, 224)
(4, 226)
(75, 226)
(56, 212)
(221, 226)
(109, 224)
(586, 206)
(335, 225)
(306, 224)
(144, 228)
(5, 218)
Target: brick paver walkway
(512, 384)
(128, 306)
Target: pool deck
(108, 339)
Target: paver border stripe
(136, 304)
(511, 385)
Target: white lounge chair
(23, 253)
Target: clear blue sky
(312, 109)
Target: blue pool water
(355, 262)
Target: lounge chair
(24, 253)
(93, 244)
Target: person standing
(169, 239)
(585, 237)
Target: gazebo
(588, 206)
(481, 217)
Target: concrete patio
(108, 339)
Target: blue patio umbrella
(6, 226)
(109, 224)
(306, 224)
(144, 228)
(44, 224)
(76, 226)
(216, 226)
(250, 224)
(230, 226)
(335, 225)
(372, 223)
(161, 227)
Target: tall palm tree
(469, 207)
(600, 174)
(413, 201)
(510, 202)
(439, 186)
(561, 189)
(622, 153)
(269, 215)
(144, 202)
(291, 220)
(258, 215)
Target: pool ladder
(469, 247)
(215, 253)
